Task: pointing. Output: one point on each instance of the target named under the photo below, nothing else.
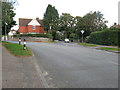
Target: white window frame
(34, 27)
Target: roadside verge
(20, 72)
(16, 49)
(114, 49)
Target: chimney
(37, 18)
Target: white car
(66, 40)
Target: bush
(34, 35)
(105, 37)
(72, 36)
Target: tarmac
(20, 72)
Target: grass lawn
(17, 49)
(86, 44)
(109, 49)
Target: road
(66, 65)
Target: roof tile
(25, 21)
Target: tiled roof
(12, 30)
(118, 26)
(25, 21)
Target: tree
(67, 23)
(7, 16)
(92, 21)
(100, 22)
(50, 19)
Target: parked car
(67, 40)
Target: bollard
(24, 44)
(19, 41)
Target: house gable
(34, 22)
(30, 25)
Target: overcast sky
(37, 8)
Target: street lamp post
(82, 31)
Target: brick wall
(28, 29)
(23, 29)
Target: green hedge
(34, 35)
(105, 37)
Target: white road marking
(45, 73)
(49, 78)
(44, 82)
(114, 63)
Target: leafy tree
(72, 36)
(100, 22)
(92, 21)
(50, 19)
(67, 23)
(7, 16)
(69, 26)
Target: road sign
(82, 31)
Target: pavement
(0, 66)
(20, 72)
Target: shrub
(105, 37)
(72, 36)
(34, 35)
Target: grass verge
(46, 41)
(51, 42)
(86, 44)
(17, 49)
(109, 49)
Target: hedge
(34, 35)
(105, 37)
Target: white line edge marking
(40, 74)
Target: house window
(33, 27)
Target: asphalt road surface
(70, 66)
(66, 65)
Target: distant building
(12, 32)
(32, 26)
(116, 25)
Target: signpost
(82, 31)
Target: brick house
(32, 26)
(117, 26)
